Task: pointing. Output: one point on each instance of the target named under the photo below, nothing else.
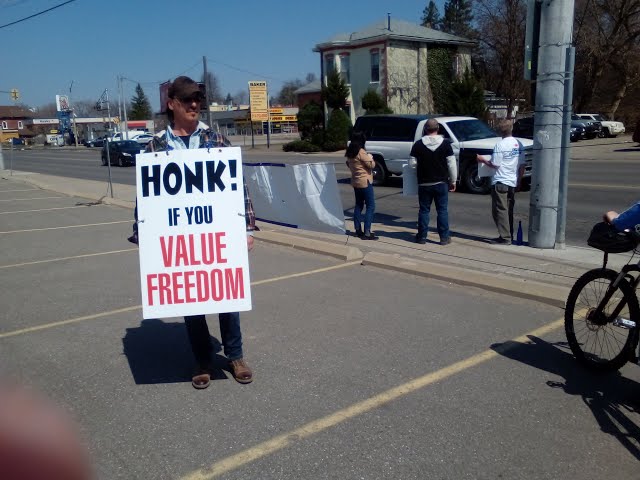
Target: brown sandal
(201, 380)
(241, 371)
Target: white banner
(298, 196)
(62, 103)
(192, 232)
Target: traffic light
(15, 94)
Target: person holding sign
(507, 165)
(185, 131)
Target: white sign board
(302, 196)
(192, 232)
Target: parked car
(96, 142)
(390, 138)
(121, 153)
(142, 138)
(592, 128)
(523, 127)
(16, 141)
(609, 127)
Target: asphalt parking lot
(360, 372)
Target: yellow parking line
(603, 186)
(61, 259)
(26, 199)
(68, 322)
(65, 227)
(27, 190)
(287, 439)
(135, 307)
(45, 209)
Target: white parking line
(27, 199)
(49, 209)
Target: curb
(342, 252)
(550, 294)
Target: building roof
(9, 111)
(312, 87)
(400, 30)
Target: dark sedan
(121, 153)
(523, 127)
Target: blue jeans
(438, 193)
(364, 196)
(200, 338)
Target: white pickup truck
(390, 138)
(609, 127)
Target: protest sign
(192, 232)
(304, 196)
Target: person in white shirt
(507, 160)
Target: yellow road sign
(258, 101)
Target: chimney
(389, 21)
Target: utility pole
(207, 87)
(124, 111)
(556, 21)
(73, 117)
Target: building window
(375, 65)
(5, 126)
(330, 64)
(344, 68)
(20, 125)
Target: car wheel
(606, 133)
(472, 183)
(120, 162)
(379, 173)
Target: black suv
(591, 128)
(121, 153)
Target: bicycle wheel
(598, 344)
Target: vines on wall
(440, 74)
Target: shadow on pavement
(159, 352)
(610, 397)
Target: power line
(36, 14)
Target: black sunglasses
(195, 97)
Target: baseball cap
(185, 88)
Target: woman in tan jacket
(361, 165)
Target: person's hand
(518, 187)
(610, 216)
(480, 158)
(249, 242)
(452, 187)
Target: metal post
(124, 111)
(556, 20)
(1, 156)
(119, 105)
(566, 149)
(107, 143)
(207, 89)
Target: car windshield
(473, 129)
(599, 118)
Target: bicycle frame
(625, 272)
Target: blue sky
(91, 42)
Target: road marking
(61, 259)
(26, 199)
(27, 190)
(603, 186)
(47, 209)
(137, 307)
(284, 440)
(68, 226)
(68, 322)
(302, 274)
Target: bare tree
(241, 97)
(607, 31)
(502, 27)
(213, 87)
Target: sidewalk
(521, 271)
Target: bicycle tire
(601, 348)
